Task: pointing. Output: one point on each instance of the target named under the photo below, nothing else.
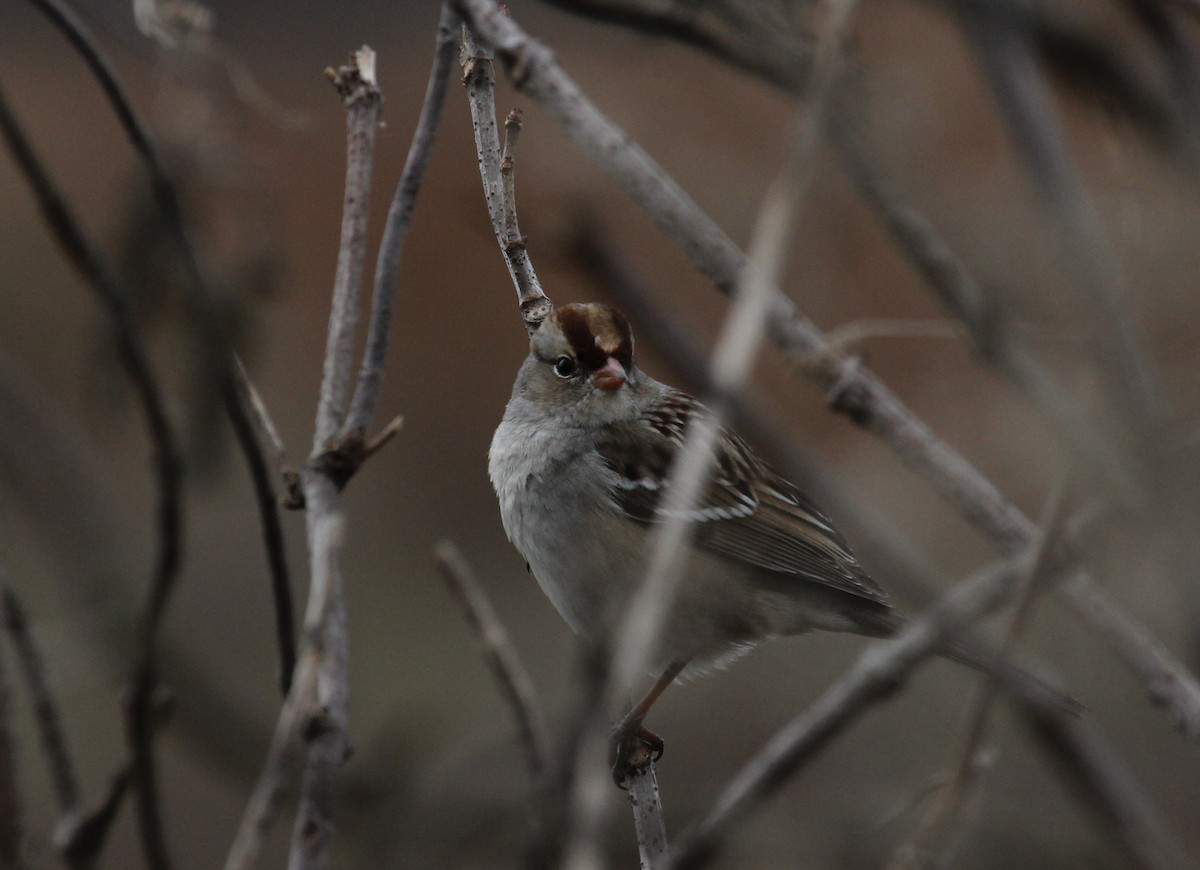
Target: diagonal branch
(853, 389)
(510, 674)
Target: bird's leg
(633, 746)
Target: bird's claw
(632, 751)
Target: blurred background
(256, 137)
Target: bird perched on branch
(580, 465)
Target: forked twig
(316, 710)
(395, 230)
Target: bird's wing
(748, 513)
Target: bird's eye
(565, 366)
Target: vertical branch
(324, 725)
(10, 806)
(315, 714)
(480, 79)
(360, 94)
(395, 231)
(1024, 100)
(168, 473)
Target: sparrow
(580, 464)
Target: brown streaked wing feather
(748, 513)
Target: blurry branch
(876, 675)
(852, 389)
(223, 361)
(753, 36)
(1026, 104)
(982, 314)
(168, 473)
(511, 676)
(844, 338)
(772, 39)
(395, 230)
(928, 845)
(499, 177)
(45, 708)
(1122, 809)
(10, 805)
(737, 346)
(78, 836)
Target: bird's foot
(631, 751)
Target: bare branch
(511, 676)
(276, 779)
(1025, 101)
(167, 470)
(852, 388)
(360, 94)
(324, 725)
(983, 315)
(45, 708)
(1121, 808)
(648, 824)
(499, 183)
(926, 846)
(873, 678)
(10, 806)
(206, 319)
(395, 230)
(732, 358)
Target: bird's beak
(611, 376)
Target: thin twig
(734, 354)
(10, 805)
(168, 473)
(276, 779)
(1122, 809)
(480, 80)
(231, 378)
(982, 313)
(921, 849)
(360, 94)
(511, 676)
(395, 230)
(45, 708)
(873, 678)
(853, 389)
(1023, 96)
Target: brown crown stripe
(596, 332)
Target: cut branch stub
(356, 81)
